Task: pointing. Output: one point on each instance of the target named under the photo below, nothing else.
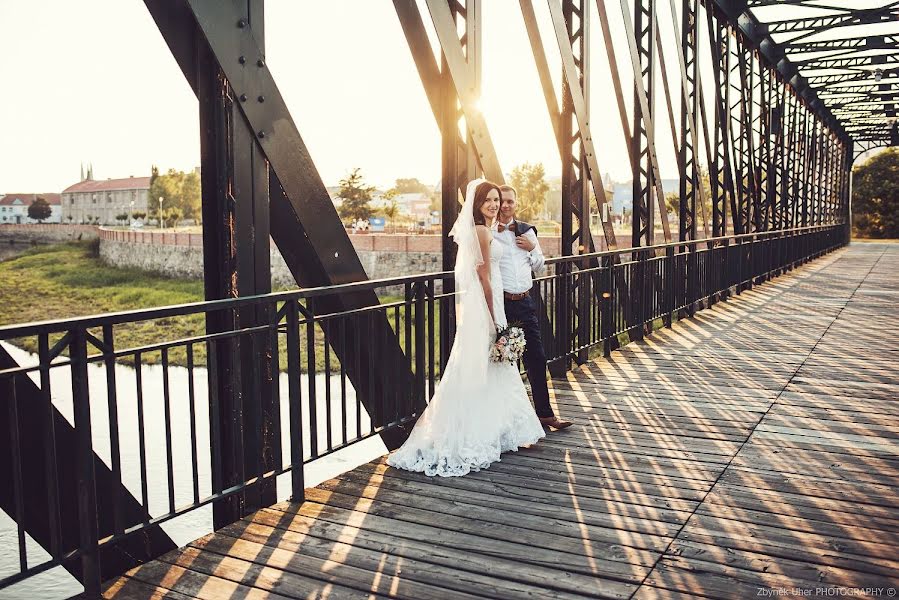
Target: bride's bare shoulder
(484, 234)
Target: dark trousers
(523, 313)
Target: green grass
(70, 280)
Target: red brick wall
(367, 242)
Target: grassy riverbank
(70, 280)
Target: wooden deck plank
(753, 447)
(321, 535)
(411, 574)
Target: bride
(480, 408)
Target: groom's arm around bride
(516, 266)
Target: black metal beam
(647, 180)
(303, 220)
(50, 484)
(758, 36)
(845, 17)
(243, 386)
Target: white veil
(474, 327)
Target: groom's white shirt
(516, 264)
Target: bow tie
(501, 228)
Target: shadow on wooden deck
(752, 451)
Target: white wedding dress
(480, 408)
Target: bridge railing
(108, 437)
(592, 300)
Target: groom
(522, 255)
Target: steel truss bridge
(776, 110)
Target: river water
(57, 583)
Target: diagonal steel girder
(689, 101)
(843, 63)
(467, 88)
(846, 17)
(442, 87)
(850, 43)
(741, 134)
(723, 185)
(580, 113)
(304, 223)
(580, 110)
(798, 37)
(546, 83)
(50, 461)
(644, 116)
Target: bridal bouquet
(509, 345)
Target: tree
(172, 216)
(672, 200)
(179, 190)
(121, 217)
(411, 186)
(530, 183)
(39, 210)
(355, 195)
(191, 197)
(875, 195)
(391, 210)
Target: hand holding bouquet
(509, 345)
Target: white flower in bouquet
(509, 345)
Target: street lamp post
(160, 213)
(130, 212)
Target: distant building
(416, 205)
(623, 194)
(90, 200)
(14, 208)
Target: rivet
(241, 23)
(243, 97)
(261, 134)
(242, 60)
(336, 254)
(260, 63)
(261, 98)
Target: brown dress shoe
(555, 422)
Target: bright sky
(93, 81)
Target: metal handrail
(145, 314)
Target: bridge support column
(244, 414)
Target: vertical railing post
(298, 488)
(692, 278)
(751, 262)
(723, 276)
(640, 278)
(670, 284)
(607, 299)
(561, 360)
(87, 486)
(420, 350)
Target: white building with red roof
(100, 201)
(14, 208)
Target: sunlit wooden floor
(752, 451)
